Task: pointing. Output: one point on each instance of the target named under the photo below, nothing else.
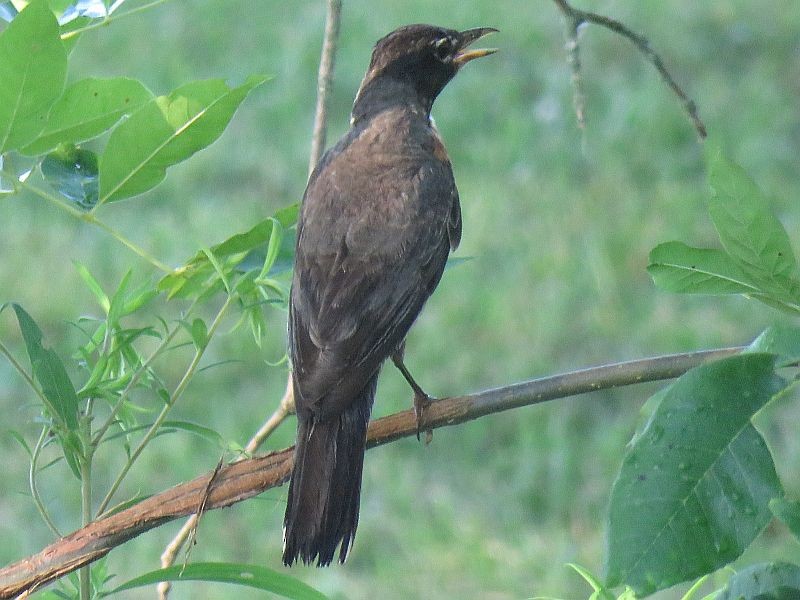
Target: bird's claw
(421, 402)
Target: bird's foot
(421, 402)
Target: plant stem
(14, 363)
(181, 387)
(98, 436)
(37, 500)
(86, 492)
(110, 18)
(92, 218)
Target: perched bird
(379, 217)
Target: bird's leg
(421, 399)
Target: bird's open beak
(463, 56)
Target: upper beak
(463, 56)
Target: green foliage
(765, 581)
(693, 491)
(253, 576)
(757, 258)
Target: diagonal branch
(576, 18)
(247, 478)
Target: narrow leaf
(88, 108)
(254, 576)
(94, 286)
(693, 490)
(166, 131)
(676, 267)
(199, 333)
(49, 371)
(764, 581)
(33, 68)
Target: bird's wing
(371, 249)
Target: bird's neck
(380, 94)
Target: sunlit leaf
(88, 108)
(166, 131)
(33, 68)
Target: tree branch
(244, 479)
(324, 79)
(576, 18)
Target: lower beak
(468, 37)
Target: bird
(378, 220)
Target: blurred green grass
(560, 223)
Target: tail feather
(325, 488)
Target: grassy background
(559, 222)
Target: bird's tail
(324, 491)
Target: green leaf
(764, 581)
(72, 172)
(49, 371)
(94, 286)
(747, 227)
(600, 592)
(788, 512)
(693, 491)
(166, 131)
(33, 68)
(254, 576)
(199, 333)
(676, 267)
(781, 340)
(206, 433)
(87, 109)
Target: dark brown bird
(379, 217)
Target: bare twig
(576, 17)
(324, 79)
(247, 478)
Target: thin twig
(247, 478)
(324, 79)
(168, 557)
(577, 17)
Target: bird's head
(418, 60)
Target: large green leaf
(676, 267)
(166, 131)
(764, 581)
(694, 489)
(748, 229)
(88, 108)
(33, 68)
(253, 576)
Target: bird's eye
(443, 49)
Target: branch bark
(247, 478)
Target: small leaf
(254, 576)
(747, 227)
(88, 108)
(49, 371)
(788, 512)
(693, 490)
(206, 433)
(676, 267)
(764, 581)
(199, 333)
(94, 286)
(72, 172)
(33, 68)
(164, 132)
